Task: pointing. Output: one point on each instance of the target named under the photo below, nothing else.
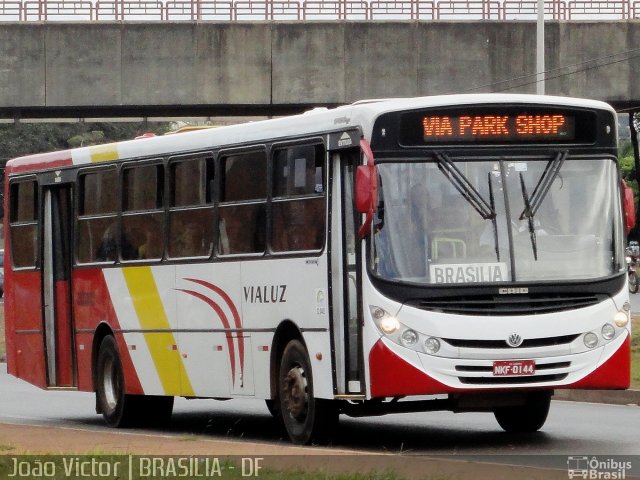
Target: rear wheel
(306, 419)
(528, 418)
(118, 408)
(115, 406)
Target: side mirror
(629, 207)
(366, 189)
(366, 193)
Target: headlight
(387, 323)
(590, 340)
(621, 318)
(401, 334)
(431, 345)
(608, 331)
(409, 338)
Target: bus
(461, 253)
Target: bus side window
(242, 219)
(23, 224)
(97, 215)
(142, 235)
(190, 221)
(299, 199)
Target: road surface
(572, 429)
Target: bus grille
(528, 343)
(506, 304)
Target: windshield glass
(453, 221)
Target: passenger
(151, 246)
(190, 242)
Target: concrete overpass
(115, 69)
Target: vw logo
(514, 340)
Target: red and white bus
(459, 253)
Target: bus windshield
(509, 219)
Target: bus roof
(317, 121)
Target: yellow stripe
(151, 314)
(104, 153)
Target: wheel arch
(103, 330)
(286, 331)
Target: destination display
(439, 128)
(497, 126)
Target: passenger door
(56, 274)
(345, 268)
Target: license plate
(514, 368)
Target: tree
(19, 139)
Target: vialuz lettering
(265, 294)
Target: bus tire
(306, 419)
(525, 419)
(117, 408)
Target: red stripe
(225, 323)
(40, 161)
(234, 311)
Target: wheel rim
(110, 384)
(295, 393)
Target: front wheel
(306, 419)
(527, 418)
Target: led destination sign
(509, 124)
(443, 128)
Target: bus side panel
(92, 305)
(295, 290)
(143, 299)
(207, 304)
(26, 359)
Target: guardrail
(290, 10)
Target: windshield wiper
(532, 204)
(494, 221)
(464, 186)
(529, 216)
(486, 210)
